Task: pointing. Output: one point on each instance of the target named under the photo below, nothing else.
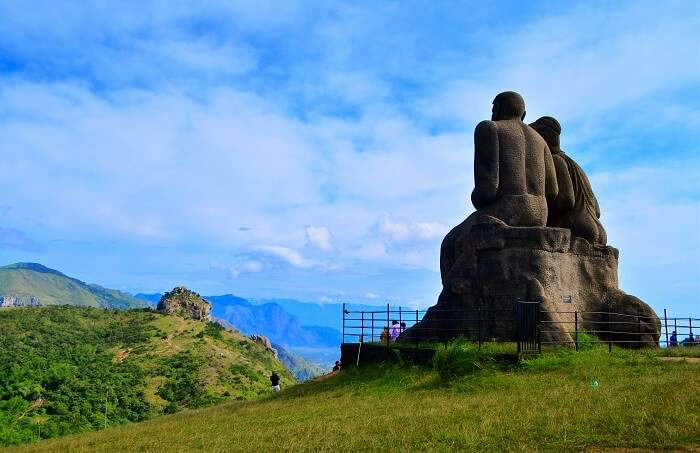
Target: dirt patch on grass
(695, 360)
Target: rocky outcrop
(183, 302)
(11, 300)
(264, 341)
(499, 265)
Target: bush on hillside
(460, 358)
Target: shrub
(459, 359)
(587, 341)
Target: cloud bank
(321, 150)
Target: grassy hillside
(558, 402)
(27, 281)
(59, 365)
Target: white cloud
(290, 256)
(319, 237)
(410, 232)
(124, 125)
(250, 266)
(372, 296)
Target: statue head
(508, 105)
(549, 128)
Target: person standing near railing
(673, 340)
(394, 330)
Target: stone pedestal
(498, 265)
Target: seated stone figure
(575, 207)
(514, 175)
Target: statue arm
(551, 188)
(485, 164)
(565, 198)
(597, 207)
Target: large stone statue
(514, 174)
(575, 207)
(534, 236)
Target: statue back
(517, 183)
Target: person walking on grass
(275, 380)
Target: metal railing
(386, 325)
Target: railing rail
(385, 325)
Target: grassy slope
(53, 288)
(110, 350)
(545, 404)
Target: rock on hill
(59, 364)
(23, 284)
(186, 303)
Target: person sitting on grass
(402, 328)
(394, 330)
(690, 341)
(275, 380)
(673, 341)
(336, 367)
(384, 337)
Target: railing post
(690, 325)
(518, 322)
(416, 329)
(362, 326)
(609, 333)
(343, 322)
(479, 329)
(387, 325)
(537, 326)
(675, 328)
(639, 329)
(666, 326)
(372, 327)
(399, 322)
(576, 329)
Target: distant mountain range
(326, 314)
(24, 284)
(308, 313)
(297, 328)
(275, 321)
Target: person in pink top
(394, 330)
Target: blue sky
(321, 150)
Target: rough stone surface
(264, 341)
(543, 264)
(11, 300)
(183, 302)
(503, 252)
(575, 207)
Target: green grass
(559, 401)
(60, 365)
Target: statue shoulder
(486, 128)
(534, 135)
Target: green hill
(60, 365)
(586, 401)
(24, 284)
